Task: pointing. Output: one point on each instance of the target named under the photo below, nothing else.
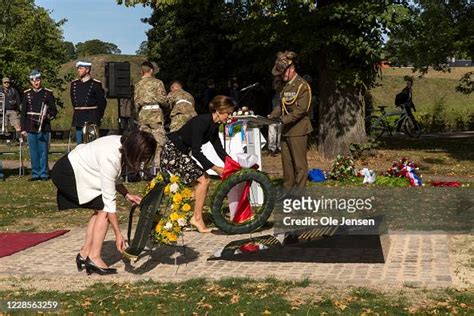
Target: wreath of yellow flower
(175, 212)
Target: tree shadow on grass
(14, 173)
(460, 148)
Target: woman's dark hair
(137, 148)
(220, 103)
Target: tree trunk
(341, 116)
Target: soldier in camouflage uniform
(150, 99)
(182, 106)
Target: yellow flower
(174, 216)
(174, 179)
(167, 189)
(159, 178)
(187, 193)
(186, 207)
(172, 237)
(158, 228)
(175, 207)
(177, 198)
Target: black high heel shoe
(91, 267)
(80, 262)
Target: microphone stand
(247, 90)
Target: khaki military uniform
(150, 99)
(182, 108)
(294, 111)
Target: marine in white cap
(87, 98)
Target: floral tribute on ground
(405, 168)
(176, 210)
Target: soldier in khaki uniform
(293, 113)
(182, 107)
(150, 99)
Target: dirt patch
(462, 259)
(37, 284)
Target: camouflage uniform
(182, 108)
(149, 99)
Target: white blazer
(97, 168)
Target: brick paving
(415, 259)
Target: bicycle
(376, 126)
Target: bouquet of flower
(342, 168)
(405, 168)
(176, 211)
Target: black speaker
(117, 80)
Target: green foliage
(70, 51)
(438, 119)
(214, 39)
(95, 47)
(29, 39)
(429, 32)
(466, 85)
(392, 181)
(143, 49)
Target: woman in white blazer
(89, 177)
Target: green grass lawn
(250, 297)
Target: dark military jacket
(294, 108)
(12, 99)
(88, 101)
(31, 110)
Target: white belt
(151, 107)
(86, 108)
(185, 101)
(33, 113)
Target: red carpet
(14, 242)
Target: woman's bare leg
(86, 248)
(200, 193)
(99, 231)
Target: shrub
(459, 124)
(439, 121)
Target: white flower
(174, 187)
(168, 226)
(181, 222)
(239, 113)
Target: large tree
(95, 47)
(70, 51)
(431, 31)
(29, 39)
(339, 42)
